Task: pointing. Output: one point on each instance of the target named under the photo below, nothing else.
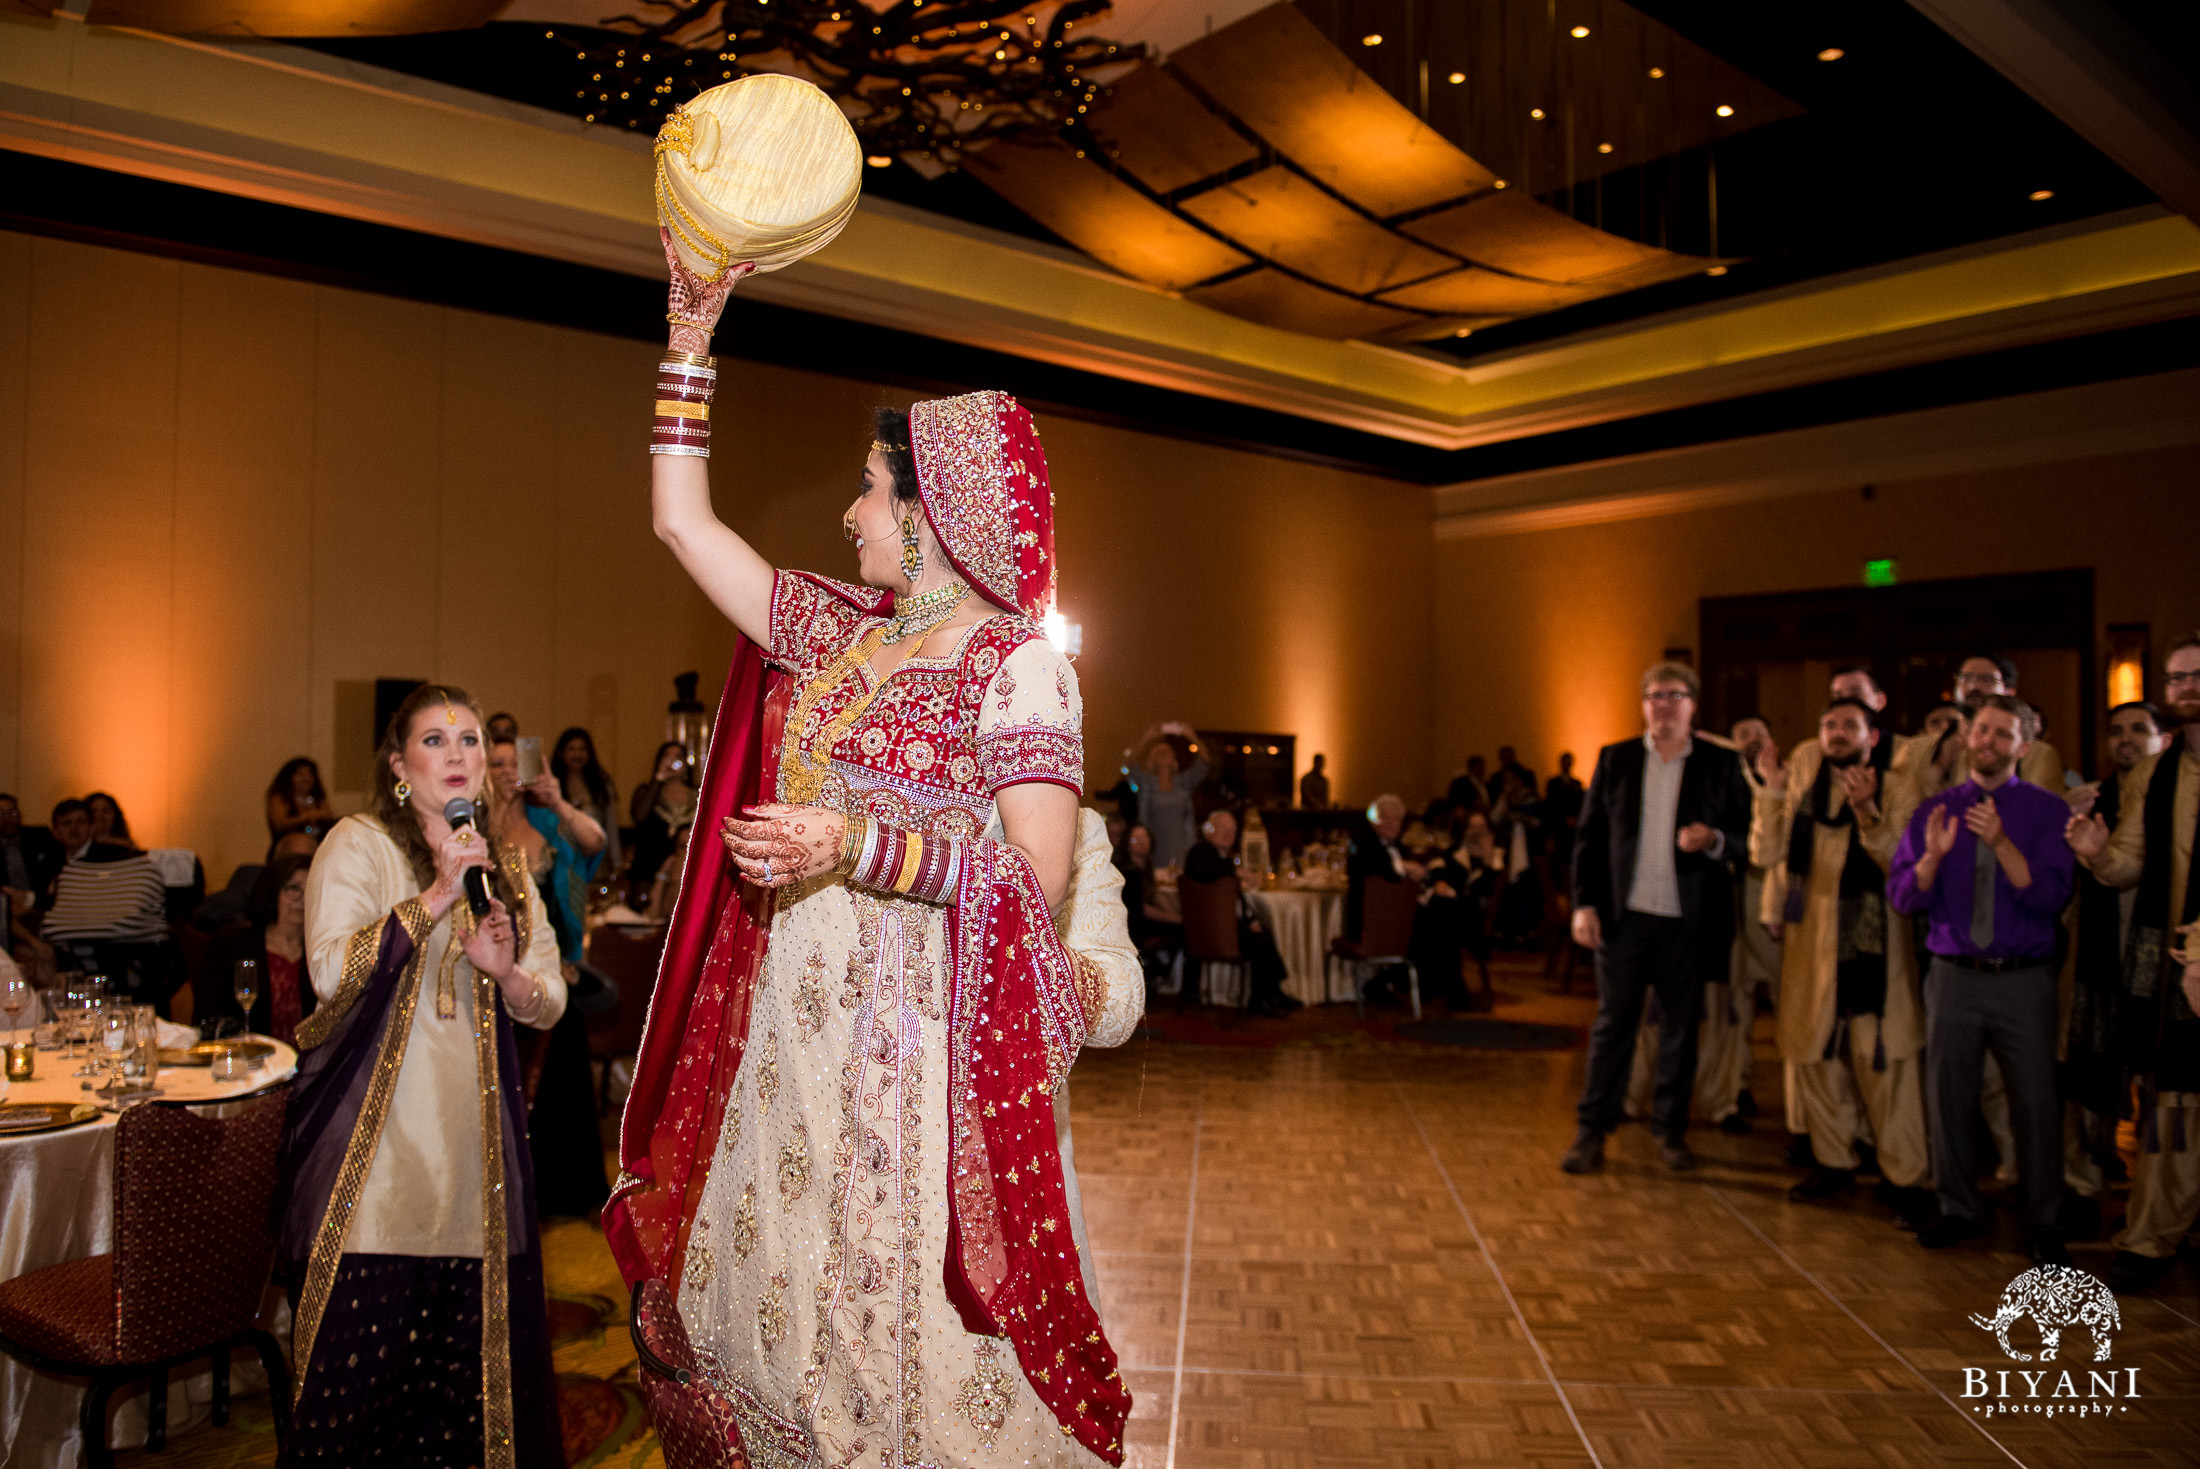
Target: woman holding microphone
(408, 1228)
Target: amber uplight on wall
(2127, 662)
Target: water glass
(144, 1056)
(116, 1025)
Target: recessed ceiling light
(1456, 78)
(1371, 40)
(1581, 33)
(1716, 270)
(1604, 147)
(1657, 73)
(1832, 53)
(2041, 196)
(880, 160)
(1536, 113)
(1498, 184)
(1465, 331)
(1725, 111)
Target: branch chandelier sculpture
(926, 80)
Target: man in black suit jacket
(1665, 817)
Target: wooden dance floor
(1319, 1245)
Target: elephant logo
(2055, 1297)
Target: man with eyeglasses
(2151, 850)
(1930, 762)
(1664, 818)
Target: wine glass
(15, 998)
(245, 981)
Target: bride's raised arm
(736, 579)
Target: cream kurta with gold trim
(423, 1194)
(1810, 946)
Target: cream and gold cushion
(765, 169)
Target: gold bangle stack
(854, 832)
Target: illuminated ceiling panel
(289, 17)
(1473, 292)
(1161, 133)
(1103, 216)
(1279, 300)
(1283, 79)
(1515, 233)
(1279, 216)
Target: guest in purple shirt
(1987, 866)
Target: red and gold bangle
(680, 419)
(892, 860)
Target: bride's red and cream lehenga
(842, 1146)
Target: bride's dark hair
(397, 816)
(890, 427)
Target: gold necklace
(922, 614)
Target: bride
(844, 1149)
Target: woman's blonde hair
(397, 816)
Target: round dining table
(1303, 921)
(57, 1203)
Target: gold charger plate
(24, 1119)
(204, 1052)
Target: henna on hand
(692, 305)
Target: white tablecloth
(57, 1202)
(1303, 922)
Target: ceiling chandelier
(922, 80)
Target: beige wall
(221, 494)
(1542, 634)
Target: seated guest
(233, 904)
(72, 835)
(1379, 855)
(658, 809)
(28, 860)
(1153, 932)
(274, 937)
(296, 801)
(108, 911)
(1210, 860)
(1463, 893)
(108, 823)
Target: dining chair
(1386, 938)
(631, 962)
(1211, 933)
(193, 1243)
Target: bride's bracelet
(892, 860)
(680, 423)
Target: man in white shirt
(1664, 817)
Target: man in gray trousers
(1988, 866)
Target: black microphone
(459, 811)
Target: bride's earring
(403, 792)
(912, 559)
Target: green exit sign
(1882, 573)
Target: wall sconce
(2127, 662)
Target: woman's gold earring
(912, 559)
(403, 792)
